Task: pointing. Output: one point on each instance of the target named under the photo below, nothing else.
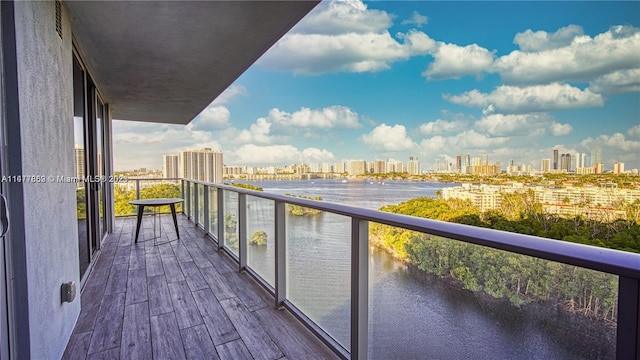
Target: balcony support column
(628, 332)
(220, 219)
(242, 232)
(359, 288)
(281, 253)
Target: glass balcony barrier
(378, 285)
(461, 300)
(145, 188)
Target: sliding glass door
(88, 118)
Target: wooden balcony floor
(180, 300)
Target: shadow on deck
(180, 299)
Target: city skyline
(390, 80)
(188, 163)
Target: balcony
(164, 299)
(221, 263)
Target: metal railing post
(281, 253)
(628, 331)
(137, 189)
(359, 288)
(220, 219)
(242, 232)
(195, 204)
(182, 193)
(205, 208)
(187, 199)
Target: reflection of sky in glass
(78, 132)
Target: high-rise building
(596, 156)
(398, 166)
(380, 167)
(565, 162)
(204, 165)
(80, 164)
(581, 160)
(618, 168)
(170, 166)
(555, 159)
(357, 167)
(413, 166)
(459, 163)
(598, 168)
(545, 166)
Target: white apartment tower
(170, 166)
(413, 166)
(204, 165)
(79, 161)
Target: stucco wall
(46, 125)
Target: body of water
(411, 315)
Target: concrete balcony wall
(44, 70)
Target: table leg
(175, 220)
(140, 211)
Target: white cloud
(416, 19)
(514, 124)
(230, 93)
(351, 52)
(343, 36)
(519, 100)
(252, 154)
(148, 141)
(558, 129)
(257, 132)
(583, 59)
(339, 17)
(442, 127)
(315, 155)
(617, 82)
(389, 138)
(335, 116)
(615, 141)
(212, 118)
(531, 41)
(617, 147)
(469, 141)
(453, 62)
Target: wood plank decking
(180, 299)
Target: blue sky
(433, 80)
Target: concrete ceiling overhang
(165, 61)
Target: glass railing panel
(436, 298)
(231, 221)
(318, 268)
(213, 211)
(261, 237)
(200, 193)
(192, 205)
(154, 189)
(124, 192)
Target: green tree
(258, 238)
